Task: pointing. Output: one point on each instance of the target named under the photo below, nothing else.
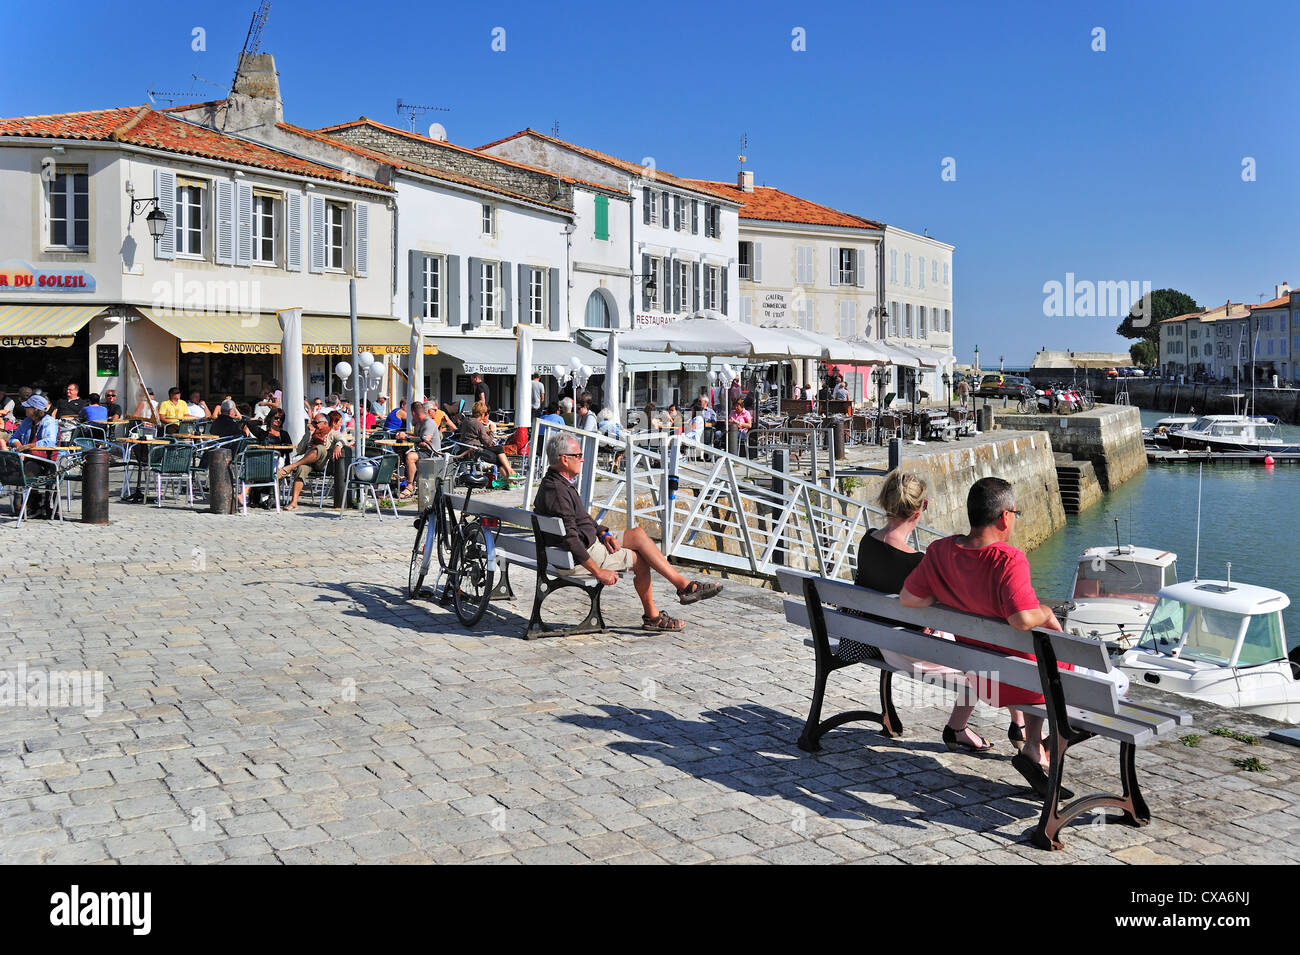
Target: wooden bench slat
(516, 516)
(1081, 651)
(1092, 692)
(522, 550)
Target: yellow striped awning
(43, 326)
(219, 333)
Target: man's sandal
(698, 590)
(662, 622)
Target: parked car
(1004, 386)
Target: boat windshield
(1118, 578)
(1265, 640)
(1211, 635)
(1165, 626)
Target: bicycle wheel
(421, 553)
(473, 575)
(446, 522)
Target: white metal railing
(716, 508)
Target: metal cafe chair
(369, 474)
(171, 463)
(257, 468)
(14, 476)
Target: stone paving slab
(268, 695)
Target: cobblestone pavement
(269, 696)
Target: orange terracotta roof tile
(635, 169)
(397, 162)
(1280, 300)
(148, 128)
(772, 205)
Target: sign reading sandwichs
(273, 348)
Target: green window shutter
(602, 217)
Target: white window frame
(431, 304)
(684, 276)
(806, 315)
(655, 218)
(536, 296)
(65, 182)
(489, 302)
(745, 261)
(657, 273)
(709, 297)
(259, 223)
(337, 216)
(488, 219)
(183, 228)
(848, 267)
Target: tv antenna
(555, 129)
(744, 146)
(410, 111)
(253, 41)
(171, 98)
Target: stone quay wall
(1110, 436)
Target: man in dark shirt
(481, 391)
(110, 402)
(598, 552)
(71, 405)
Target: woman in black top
(885, 558)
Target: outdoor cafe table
(140, 458)
(197, 437)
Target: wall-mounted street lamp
(156, 220)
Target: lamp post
(977, 359)
(879, 376)
(947, 387)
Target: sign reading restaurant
(22, 277)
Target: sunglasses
(578, 455)
(1013, 510)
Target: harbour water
(1248, 516)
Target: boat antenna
(1117, 547)
(1196, 567)
(1229, 575)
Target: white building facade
(918, 295)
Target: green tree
(1144, 353)
(1144, 318)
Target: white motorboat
(1158, 433)
(1221, 642)
(1115, 591)
(1237, 432)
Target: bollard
(986, 418)
(94, 487)
(733, 437)
(340, 479)
(221, 485)
(895, 453)
(778, 494)
(839, 440)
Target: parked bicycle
(464, 544)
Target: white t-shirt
(196, 411)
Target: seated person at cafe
(396, 418)
(39, 430)
(93, 412)
(426, 440)
(477, 434)
(583, 417)
(227, 423)
(596, 551)
(315, 451)
(197, 407)
(70, 405)
(174, 408)
(110, 402)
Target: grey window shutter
(506, 310)
(475, 291)
(835, 266)
(361, 219)
(243, 223)
(757, 267)
(722, 279)
(225, 222)
(293, 232)
(453, 291)
(415, 287)
(695, 286)
(861, 256)
(164, 182)
(525, 294)
(665, 218)
(677, 213)
(645, 277)
(553, 301)
(316, 234)
(695, 217)
(645, 205)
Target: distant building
(1080, 359)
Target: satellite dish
(436, 131)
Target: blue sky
(1122, 165)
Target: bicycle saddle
(475, 481)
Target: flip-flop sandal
(291, 507)
(662, 622)
(696, 591)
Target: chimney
(1282, 289)
(745, 181)
(255, 95)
